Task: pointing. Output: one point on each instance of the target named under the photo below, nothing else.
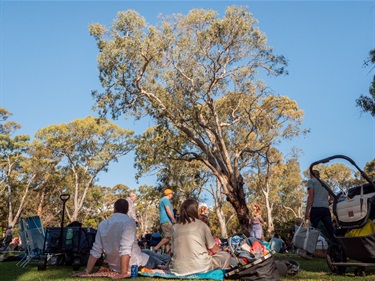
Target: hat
(167, 191)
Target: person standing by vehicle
(166, 220)
(317, 207)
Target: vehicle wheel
(42, 263)
(360, 271)
(335, 253)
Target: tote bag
(306, 238)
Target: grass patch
(315, 269)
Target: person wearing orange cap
(166, 220)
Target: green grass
(315, 269)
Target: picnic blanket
(217, 274)
(102, 272)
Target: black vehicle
(352, 212)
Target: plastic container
(69, 237)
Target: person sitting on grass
(277, 244)
(116, 238)
(191, 242)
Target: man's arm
(124, 263)
(310, 200)
(170, 214)
(126, 244)
(89, 267)
(96, 250)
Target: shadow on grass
(315, 269)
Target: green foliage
(147, 206)
(83, 148)
(15, 181)
(198, 76)
(367, 103)
(338, 176)
(370, 169)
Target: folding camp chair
(32, 237)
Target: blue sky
(48, 67)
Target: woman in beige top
(191, 240)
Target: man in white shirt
(115, 238)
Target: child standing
(256, 223)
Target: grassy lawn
(315, 269)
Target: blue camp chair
(32, 237)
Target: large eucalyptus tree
(198, 76)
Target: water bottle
(134, 271)
(69, 237)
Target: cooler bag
(354, 211)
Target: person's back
(110, 233)
(166, 218)
(320, 193)
(8, 237)
(155, 238)
(317, 206)
(193, 246)
(163, 216)
(191, 256)
(276, 244)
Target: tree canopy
(199, 77)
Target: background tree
(367, 104)
(15, 182)
(370, 169)
(86, 147)
(219, 206)
(148, 208)
(292, 192)
(198, 77)
(156, 154)
(338, 176)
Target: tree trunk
(270, 225)
(41, 201)
(236, 197)
(221, 218)
(10, 208)
(218, 200)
